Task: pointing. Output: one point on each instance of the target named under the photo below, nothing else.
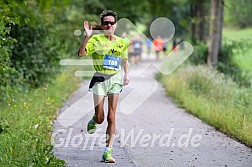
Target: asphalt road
(151, 131)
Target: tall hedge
(29, 50)
(7, 18)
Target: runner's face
(109, 24)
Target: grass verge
(237, 34)
(26, 123)
(244, 60)
(213, 98)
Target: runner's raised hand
(87, 29)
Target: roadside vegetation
(36, 34)
(219, 96)
(26, 123)
(33, 85)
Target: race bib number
(111, 62)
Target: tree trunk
(193, 25)
(198, 25)
(202, 21)
(220, 23)
(215, 32)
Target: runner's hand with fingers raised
(87, 29)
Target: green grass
(213, 98)
(245, 59)
(26, 123)
(237, 34)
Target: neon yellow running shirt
(107, 55)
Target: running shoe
(107, 157)
(91, 127)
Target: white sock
(107, 149)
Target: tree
(215, 32)
(198, 16)
(238, 13)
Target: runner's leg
(112, 104)
(99, 111)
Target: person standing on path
(108, 52)
(137, 49)
(158, 43)
(148, 45)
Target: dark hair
(103, 14)
(96, 26)
(108, 13)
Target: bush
(35, 56)
(199, 56)
(29, 53)
(226, 59)
(227, 63)
(6, 42)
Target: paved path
(157, 133)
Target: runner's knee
(111, 117)
(99, 119)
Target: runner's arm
(82, 49)
(88, 30)
(126, 71)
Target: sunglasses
(108, 22)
